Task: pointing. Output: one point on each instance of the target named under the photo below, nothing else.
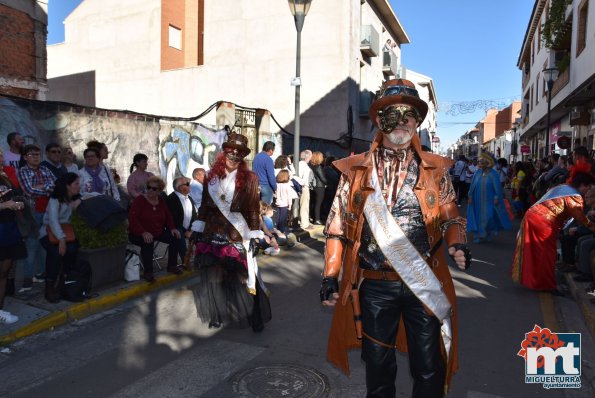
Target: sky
(469, 48)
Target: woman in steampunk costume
(394, 207)
(230, 290)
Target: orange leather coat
(342, 254)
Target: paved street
(156, 346)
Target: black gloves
(328, 287)
(254, 247)
(466, 250)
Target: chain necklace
(227, 186)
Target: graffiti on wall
(185, 148)
(41, 123)
(13, 118)
(179, 146)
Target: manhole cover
(280, 381)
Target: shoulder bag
(68, 231)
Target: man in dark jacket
(183, 211)
(53, 154)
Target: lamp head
(550, 74)
(299, 7)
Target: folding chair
(156, 257)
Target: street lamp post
(550, 75)
(299, 9)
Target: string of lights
(466, 107)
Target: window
(175, 37)
(539, 41)
(531, 97)
(543, 82)
(537, 88)
(581, 34)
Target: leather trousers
(382, 305)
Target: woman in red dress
(535, 253)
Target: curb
(92, 306)
(110, 299)
(583, 302)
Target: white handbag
(132, 266)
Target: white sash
(406, 260)
(239, 222)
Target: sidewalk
(37, 314)
(582, 299)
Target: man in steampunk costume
(394, 207)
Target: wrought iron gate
(245, 124)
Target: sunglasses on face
(186, 184)
(152, 188)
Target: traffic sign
(563, 142)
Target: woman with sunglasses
(230, 289)
(149, 220)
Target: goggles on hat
(398, 90)
(392, 115)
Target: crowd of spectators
(43, 190)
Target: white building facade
(178, 57)
(572, 53)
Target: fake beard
(399, 136)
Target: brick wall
(18, 92)
(17, 44)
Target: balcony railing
(525, 121)
(369, 41)
(390, 63)
(561, 81)
(526, 78)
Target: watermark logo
(552, 359)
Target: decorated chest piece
(430, 199)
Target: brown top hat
(397, 91)
(237, 144)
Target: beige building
(178, 57)
(571, 49)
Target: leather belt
(380, 275)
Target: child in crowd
(285, 194)
(269, 242)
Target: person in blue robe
(486, 212)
